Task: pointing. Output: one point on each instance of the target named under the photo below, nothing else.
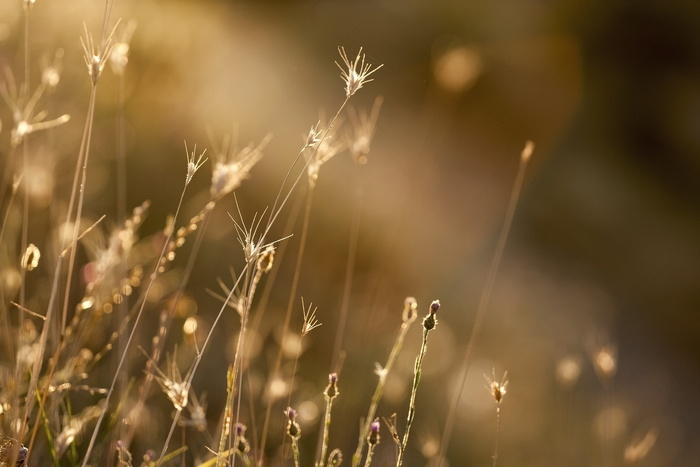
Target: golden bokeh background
(604, 248)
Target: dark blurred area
(605, 245)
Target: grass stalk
(409, 316)
(485, 298)
(329, 394)
(122, 359)
(429, 323)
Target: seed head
(332, 388)
(242, 445)
(496, 388)
(293, 428)
(193, 164)
(356, 72)
(429, 322)
(95, 58)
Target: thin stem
(417, 369)
(48, 323)
(288, 314)
(498, 434)
(122, 359)
(408, 319)
(370, 452)
(347, 287)
(326, 432)
(295, 451)
(485, 298)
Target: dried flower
(357, 72)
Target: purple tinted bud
(240, 429)
(374, 426)
(434, 307)
(333, 378)
(291, 414)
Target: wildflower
(496, 388)
(357, 72)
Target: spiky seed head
(356, 72)
(497, 388)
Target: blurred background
(604, 252)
